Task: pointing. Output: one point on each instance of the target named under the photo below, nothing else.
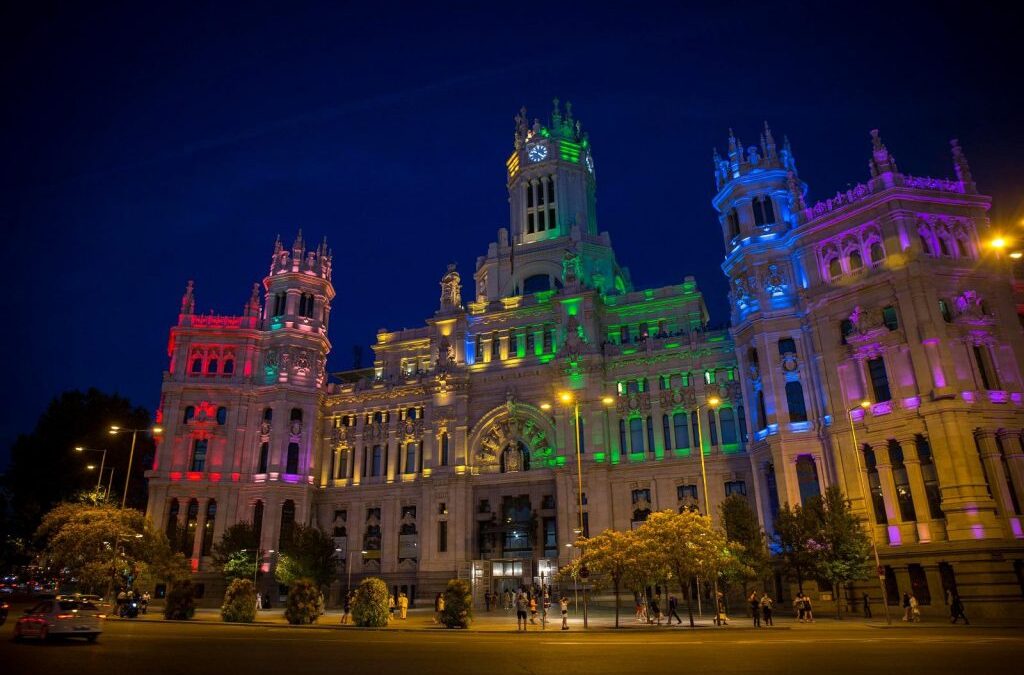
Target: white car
(60, 618)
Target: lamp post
(568, 398)
(115, 430)
(864, 405)
(348, 588)
(712, 402)
(99, 478)
(113, 559)
(103, 461)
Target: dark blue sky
(144, 147)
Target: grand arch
(512, 437)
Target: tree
(458, 605)
(687, 545)
(370, 604)
(180, 604)
(794, 530)
(239, 602)
(103, 545)
(609, 557)
(305, 602)
(44, 469)
(236, 554)
(743, 527)
(309, 555)
(840, 546)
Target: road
(199, 648)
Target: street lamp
(115, 430)
(864, 405)
(568, 398)
(712, 402)
(99, 478)
(103, 461)
(113, 560)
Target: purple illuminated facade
(885, 295)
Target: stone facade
(455, 454)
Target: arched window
(536, 283)
(229, 366)
(807, 478)
(795, 401)
(943, 245)
(292, 459)
(926, 244)
(877, 252)
(280, 303)
(190, 414)
(728, 420)
(666, 432)
(197, 365)
(257, 519)
(222, 415)
(741, 420)
(191, 521)
(855, 262)
(171, 527)
(712, 427)
(211, 516)
(212, 366)
(296, 415)
(904, 497)
(198, 462)
(287, 524)
(769, 209)
(733, 221)
(835, 268)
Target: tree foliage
(101, 545)
(239, 602)
(458, 605)
(236, 554)
(840, 546)
(180, 603)
(794, 530)
(305, 602)
(742, 526)
(370, 604)
(610, 558)
(309, 555)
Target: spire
(768, 143)
(963, 170)
(556, 116)
(299, 246)
(796, 194)
(188, 301)
(787, 159)
(522, 128)
(883, 161)
(277, 245)
(252, 308)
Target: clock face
(537, 152)
(589, 162)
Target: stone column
(882, 463)
(197, 540)
(917, 492)
(1013, 449)
(357, 463)
(992, 462)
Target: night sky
(144, 147)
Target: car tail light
(65, 616)
(101, 616)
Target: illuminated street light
(998, 243)
(1016, 255)
(114, 430)
(103, 461)
(864, 405)
(711, 402)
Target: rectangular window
(650, 435)
(495, 347)
(375, 465)
(530, 227)
(513, 345)
(682, 430)
(728, 419)
(410, 457)
(444, 449)
(979, 358)
(264, 457)
(292, 459)
(551, 190)
(582, 437)
(899, 476)
(735, 487)
(889, 318)
(547, 340)
(931, 478)
(442, 536)
(879, 379)
(529, 341)
(666, 433)
(198, 455)
(623, 448)
(552, 220)
(795, 401)
(636, 435)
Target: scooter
(129, 609)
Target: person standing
(655, 616)
(507, 600)
(867, 606)
(906, 606)
(521, 606)
(673, 605)
(766, 609)
(403, 606)
(723, 620)
(800, 606)
(956, 609)
(755, 608)
(259, 602)
(438, 607)
(808, 609)
(533, 609)
(346, 608)
(563, 604)
(915, 611)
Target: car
(60, 618)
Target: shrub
(458, 605)
(370, 606)
(181, 601)
(239, 602)
(305, 603)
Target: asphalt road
(196, 649)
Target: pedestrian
(346, 608)
(641, 609)
(391, 607)
(867, 606)
(906, 606)
(956, 608)
(487, 601)
(521, 606)
(403, 606)
(438, 607)
(655, 615)
(915, 610)
(533, 609)
(673, 605)
(507, 600)
(563, 604)
(723, 620)
(808, 609)
(799, 606)
(755, 608)
(766, 609)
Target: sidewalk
(599, 619)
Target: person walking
(723, 620)
(259, 602)
(915, 611)
(755, 608)
(655, 612)
(521, 606)
(808, 609)
(799, 606)
(673, 605)
(906, 606)
(391, 607)
(403, 606)
(766, 609)
(438, 607)
(346, 607)
(867, 606)
(956, 608)
(563, 604)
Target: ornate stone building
(456, 453)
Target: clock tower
(552, 216)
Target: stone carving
(572, 269)
(410, 429)
(264, 431)
(302, 362)
(773, 285)
(573, 342)
(340, 437)
(513, 458)
(634, 403)
(375, 431)
(295, 429)
(445, 355)
(451, 290)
